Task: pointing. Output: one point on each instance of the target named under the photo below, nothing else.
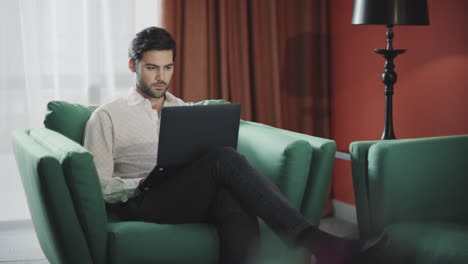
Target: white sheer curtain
(73, 50)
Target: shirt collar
(134, 98)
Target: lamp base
(389, 78)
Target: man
(229, 192)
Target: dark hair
(152, 38)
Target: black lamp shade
(390, 12)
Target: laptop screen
(186, 132)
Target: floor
(40, 261)
(19, 245)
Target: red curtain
(270, 56)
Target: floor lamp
(390, 13)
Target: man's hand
(150, 180)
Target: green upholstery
(50, 202)
(138, 242)
(415, 191)
(68, 212)
(321, 163)
(68, 119)
(288, 156)
(427, 242)
(80, 174)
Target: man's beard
(147, 89)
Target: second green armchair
(415, 190)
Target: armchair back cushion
(70, 119)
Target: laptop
(186, 132)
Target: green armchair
(414, 190)
(69, 215)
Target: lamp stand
(389, 78)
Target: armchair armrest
(285, 160)
(359, 152)
(319, 180)
(309, 174)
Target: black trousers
(223, 189)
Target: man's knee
(224, 153)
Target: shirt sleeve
(98, 139)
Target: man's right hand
(151, 179)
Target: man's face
(153, 72)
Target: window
(72, 50)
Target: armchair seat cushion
(139, 242)
(425, 242)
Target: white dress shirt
(123, 136)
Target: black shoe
(330, 249)
(370, 248)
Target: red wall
(432, 84)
